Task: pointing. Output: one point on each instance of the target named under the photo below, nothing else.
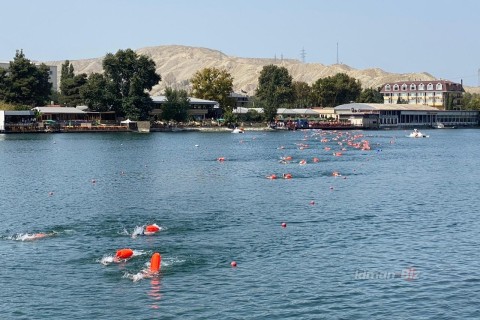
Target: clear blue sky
(436, 36)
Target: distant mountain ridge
(176, 64)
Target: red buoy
(284, 225)
(155, 262)
(124, 253)
(233, 264)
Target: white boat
(238, 130)
(439, 125)
(417, 134)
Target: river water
(394, 236)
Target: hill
(176, 64)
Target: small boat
(238, 130)
(417, 134)
(439, 125)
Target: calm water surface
(396, 236)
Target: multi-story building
(241, 100)
(52, 73)
(441, 94)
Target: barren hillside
(176, 64)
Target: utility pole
(303, 54)
(337, 52)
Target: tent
(128, 121)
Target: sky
(435, 36)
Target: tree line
(128, 77)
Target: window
(413, 87)
(429, 86)
(387, 87)
(438, 86)
(421, 86)
(404, 87)
(395, 87)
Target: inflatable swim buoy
(151, 229)
(155, 262)
(124, 253)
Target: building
(377, 115)
(200, 109)
(241, 100)
(17, 120)
(52, 76)
(441, 94)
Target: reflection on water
(154, 292)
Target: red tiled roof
(446, 86)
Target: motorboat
(238, 130)
(417, 134)
(439, 125)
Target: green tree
(67, 72)
(274, 90)
(95, 94)
(370, 95)
(336, 90)
(213, 84)
(400, 100)
(177, 105)
(471, 101)
(129, 77)
(25, 83)
(71, 86)
(302, 95)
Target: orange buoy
(124, 253)
(221, 159)
(155, 262)
(151, 229)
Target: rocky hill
(176, 64)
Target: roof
(283, 111)
(59, 110)
(412, 86)
(383, 107)
(161, 99)
(19, 113)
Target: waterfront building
(16, 120)
(200, 109)
(52, 73)
(441, 94)
(377, 115)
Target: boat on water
(238, 130)
(417, 134)
(439, 125)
